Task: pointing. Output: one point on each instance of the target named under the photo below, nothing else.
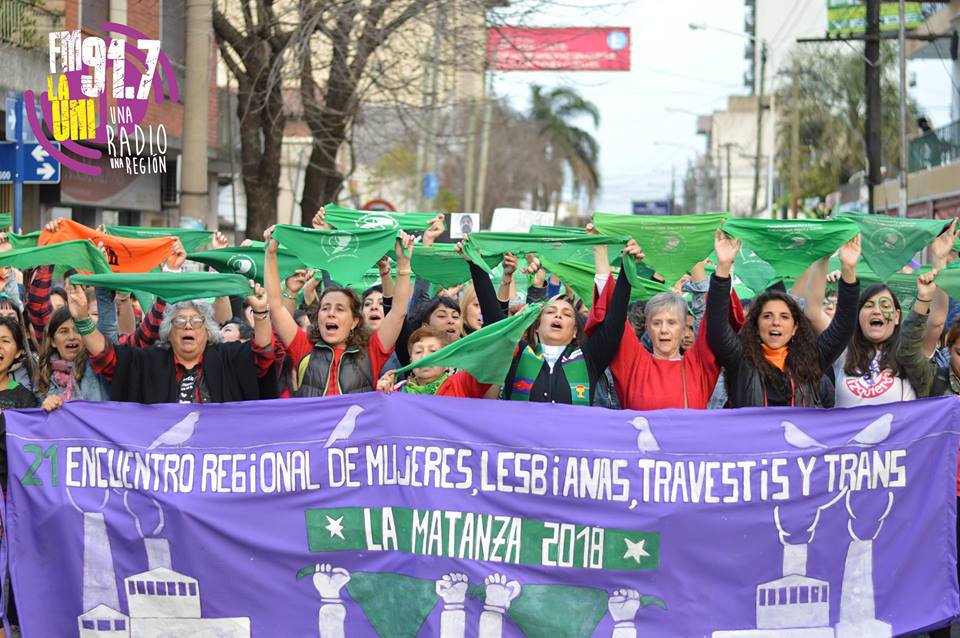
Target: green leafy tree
(554, 112)
(832, 112)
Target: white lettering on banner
(592, 478)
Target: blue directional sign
(16, 110)
(652, 207)
(38, 166)
(431, 185)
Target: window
(171, 588)
(87, 624)
(151, 587)
(120, 625)
(804, 594)
(793, 595)
(161, 589)
(103, 625)
(173, 30)
(93, 13)
(131, 587)
(782, 598)
(141, 587)
(193, 589)
(761, 597)
(814, 594)
(182, 588)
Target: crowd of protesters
(824, 342)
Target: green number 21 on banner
(30, 478)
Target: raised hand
(633, 249)
(258, 300)
(385, 385)
(319, 221)
(726, 248)
(404, 249)
(329, 580)
(943, 244)
(435, 230)
(500, 592)
(623, 605)
(77, 302)
(219, 240)
(177, 256)
(297, 280)
(452, 588)
(509, 264)
(54, 225)
(271, 243)
(926, 286)
(850, 254)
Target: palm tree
(552, 112)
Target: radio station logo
(98, 94)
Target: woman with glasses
(191, 363)
(868, 372)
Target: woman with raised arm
(340, 356)
(556, 363)
(777, 360)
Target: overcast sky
(671, 67)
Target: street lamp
(697, 26)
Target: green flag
(395, 605)
(80, 254)
(557, 231)
(442, 265)
(348, 219)
(558, 611)
(891, 242)
(672, 244)
(790, 246)
(191, 239)
(247, 261)
(346, 255)
(580, 277)
(172, 287)
(486, 353)
(555, 248)
(29, 240)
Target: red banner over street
(559, 49)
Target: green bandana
(440, 264)
(30, 240)
(348, 219)
(554, 248)
(790, 246)
(890, 242)
(557, 231)
(754, 272)
(581, 279)
(574, 370)
(247, 261)
(190, 238)
(487, 353)
(672, 244)
(429, 388)
(172, 287)
(80, 254)
(346, 255)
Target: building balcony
(26, 25)
(935, 147)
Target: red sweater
(644, 382)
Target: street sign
(38, 166)
(15, 114)
(431, 185)
(652, 207)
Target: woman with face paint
(777, 360)
(868, 373)
(556, 363)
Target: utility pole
(673, 189)
(193, 174)
(471, 152)
(727, 147)
(795, 141)
(759, 155)
(872, 131)
(485, 144)
(904, 156)
(431, 154)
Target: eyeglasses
(195, 321)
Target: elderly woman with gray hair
(667, 377)
(191, 363)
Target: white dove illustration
(344, 428)
(645, 439)
(180, 433)
(876, 432)
(798, 438)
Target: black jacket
(745, 384)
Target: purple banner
(373, 515)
